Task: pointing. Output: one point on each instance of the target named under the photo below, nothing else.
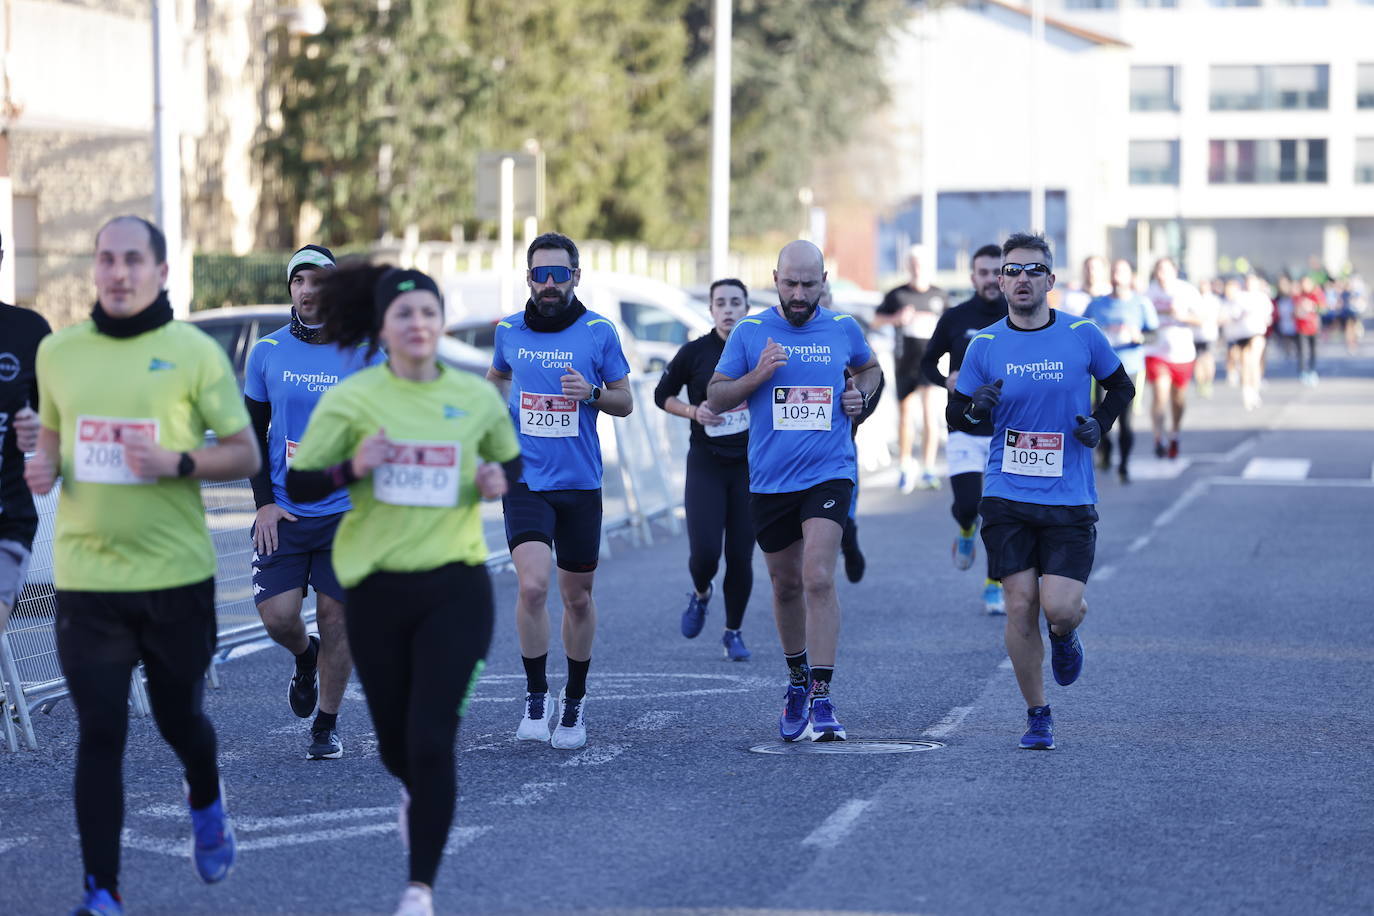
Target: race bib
(1033, 454)
(799, 407)
(735, 421)
(99, 454)
(419, 474)
(1120, 335)
(291, 451)
(551, 416)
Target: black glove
(1088, 431)
(983, 401)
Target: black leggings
(968, 491)
(101, 636)
(1309, 342)
(716, 498)
(419, 643)
(1125, 436)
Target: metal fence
(645, 461)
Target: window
(1089, 4)
(1234, 2)
(1364, 86)
(1267, 161)
(1288, 87)
(1302, 2)
(1154, 162)
(1154, 88)
(649, 322)
(1364, 160)
(1160, 4)
(24, 248)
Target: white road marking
(531, 793)
(1138, 544)
(13, 842)
(1187, 498)
(1105, 573)
(658, 718)
(459, 837)
(249, 824)
(1276, 469)
(1005, 664)
(595, 756)
(619, 684)
(829, 834)
(946, 726)
(1318, 482)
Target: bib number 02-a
(732, 421)
(801, 407)
(1033, 454)
(419, 474)
(549, 416)
(99, 454)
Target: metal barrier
(645, 462)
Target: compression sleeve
(260, 414)
(957, 409)
(313, 486)
(1119, 391)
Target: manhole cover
(861, 746)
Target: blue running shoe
(694, 618)
(1066, 657)
(735, 650)
(965, 548)
(824, 725)
(212, 842)
(994, 601)
(98, 902)
(1039, 734)
(794, 720)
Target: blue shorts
(303, 558)
(569, 521)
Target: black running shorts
(569, 521)
(1053, 540)
(173, 629)
(778, 517)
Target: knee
(787, 589)
(534, 594)
(577, 602)
(329, 614)
(1065, 613)
(817, 582)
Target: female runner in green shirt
(417, 444)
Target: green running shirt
(114, 532)
(419, 511)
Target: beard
(1027, 308)
(798, 318)
(550, 302)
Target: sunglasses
(1032, 270)
(542, 275)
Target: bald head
(800, 279)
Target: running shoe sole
(539, 729)
(1036, 744)
(327, 751)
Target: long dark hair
(348, 308)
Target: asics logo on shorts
(828, 504)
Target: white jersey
(1174, 344)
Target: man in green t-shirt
(126, 399)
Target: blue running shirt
(292, 375)
(798, 436)
(1125, 321)
(1034, 457)
(559, 445)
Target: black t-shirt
(911, 337)
(20, 331)
(955, 329)
(693, 366)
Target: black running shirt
(20, 331)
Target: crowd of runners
(368, 459)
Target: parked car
(654, 318)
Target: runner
(429, 438)
(716, 496)
(1248, 315)
(1169, 360)
(288, 371)
(1030, 375)
(967, 452)
(20, 331)
(1125, 317)
(1094, 282)
(558, 365)
(788, 363)
(913, 309)
(126, 400)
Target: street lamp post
(720, 143)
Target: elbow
(251, 461)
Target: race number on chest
(801, 407)
(732, 421)
(551, 416)
(99, 455)
(419, 474)
(1033, 454)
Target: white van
(654, 318)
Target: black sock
(329, 720)
(536, 681)
(310, 657)
(820, 680)
(577, 679)
(798, 671)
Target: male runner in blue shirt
(287, 373)
(1029, 373)
(789, 364)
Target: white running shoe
(571, 732)
(416, 901)
(403, 819)
(540, 714)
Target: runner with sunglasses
(417, 445)
(1029, 374)
(559, 366)
(716, 494)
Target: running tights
(968, 492)
(717, 503)
(1307, 362)
(419, 642)
(1125, 437)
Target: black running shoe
(303, 693)
(854, 564)
(324, 745)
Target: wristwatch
(186, 466)
(593, 397)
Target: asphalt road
(1215, 756)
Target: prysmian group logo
(1038, 371)
(9, 367)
